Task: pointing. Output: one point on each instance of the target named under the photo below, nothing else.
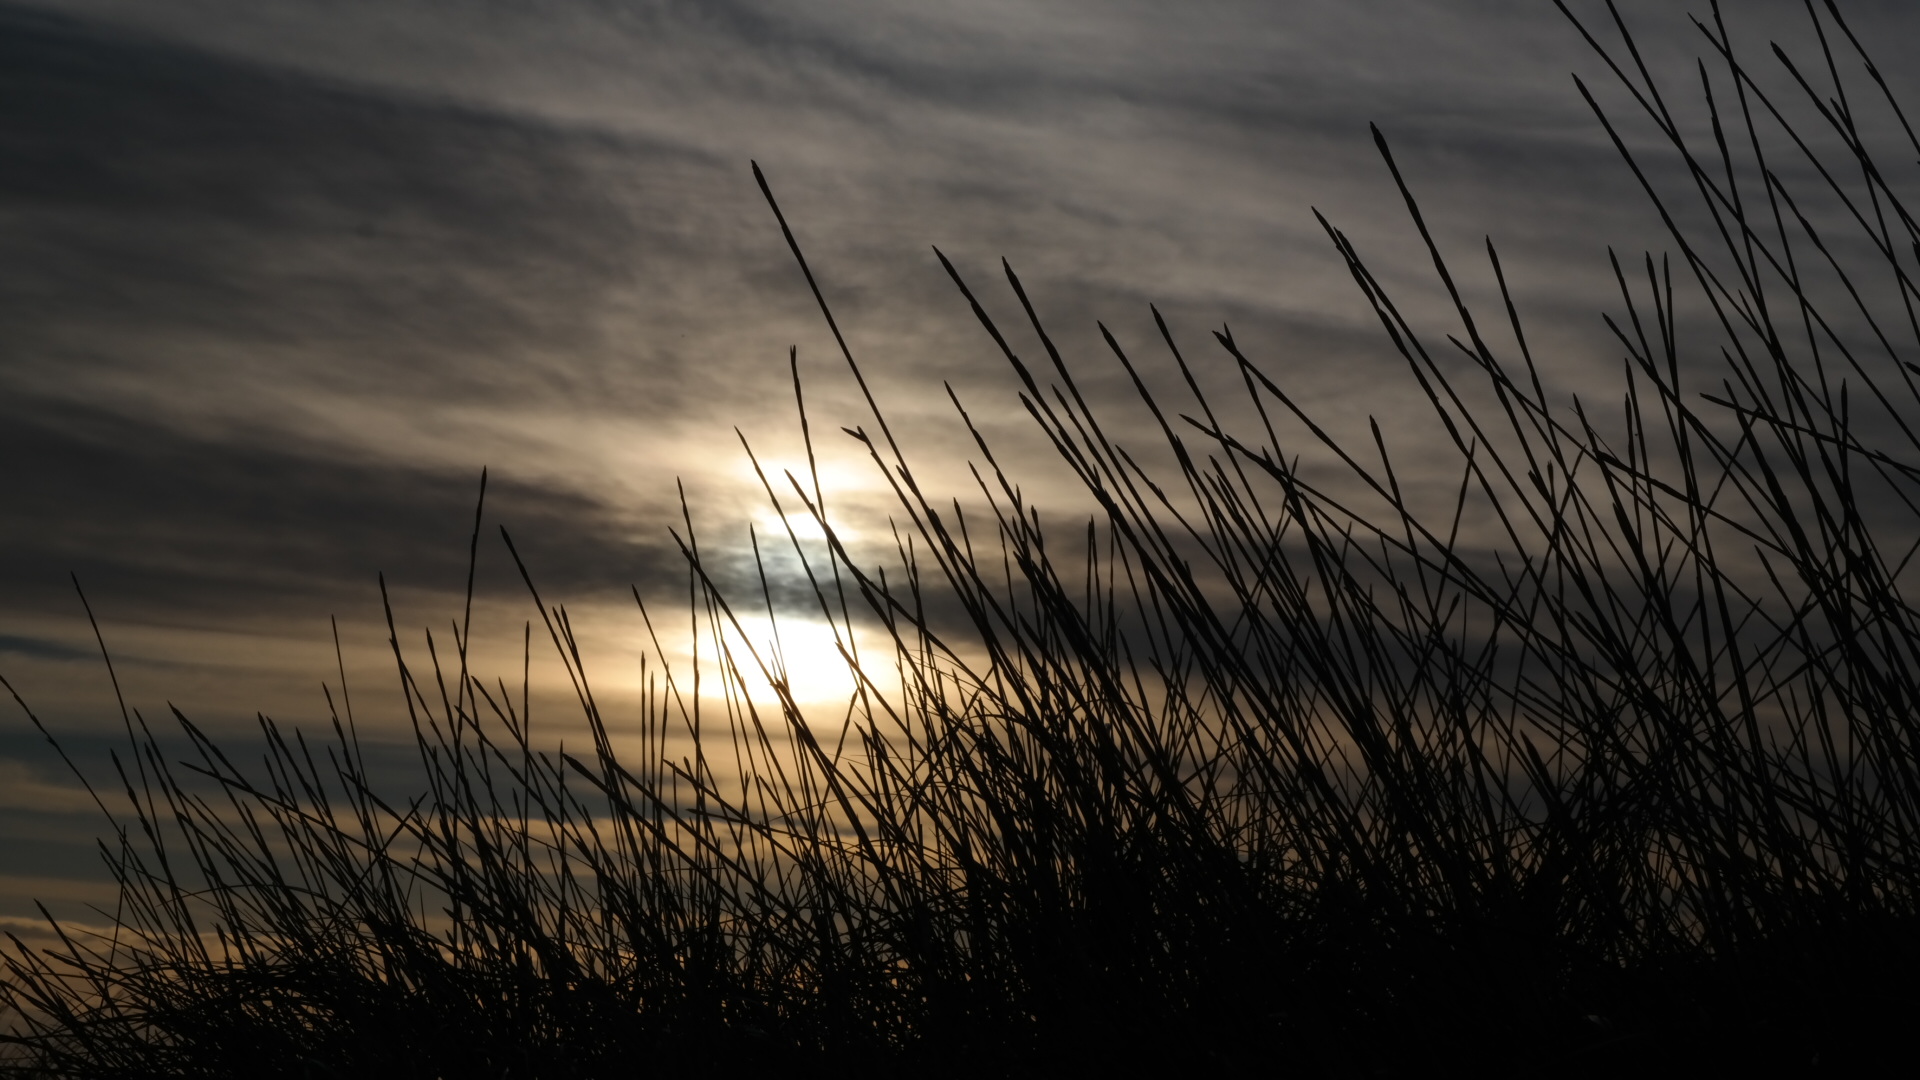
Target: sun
(806, 653)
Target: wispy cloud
(281, 278)
(22, 789)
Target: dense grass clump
(1612, 762)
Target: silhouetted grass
(1610, 763)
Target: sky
(278, 280)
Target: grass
(1610, 762)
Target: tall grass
(1610, 761)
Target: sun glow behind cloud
(809, 657)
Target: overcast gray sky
(278, 279)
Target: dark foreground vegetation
(1610, 763)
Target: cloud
(281, 278)
(36, 647)
(22, 789)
